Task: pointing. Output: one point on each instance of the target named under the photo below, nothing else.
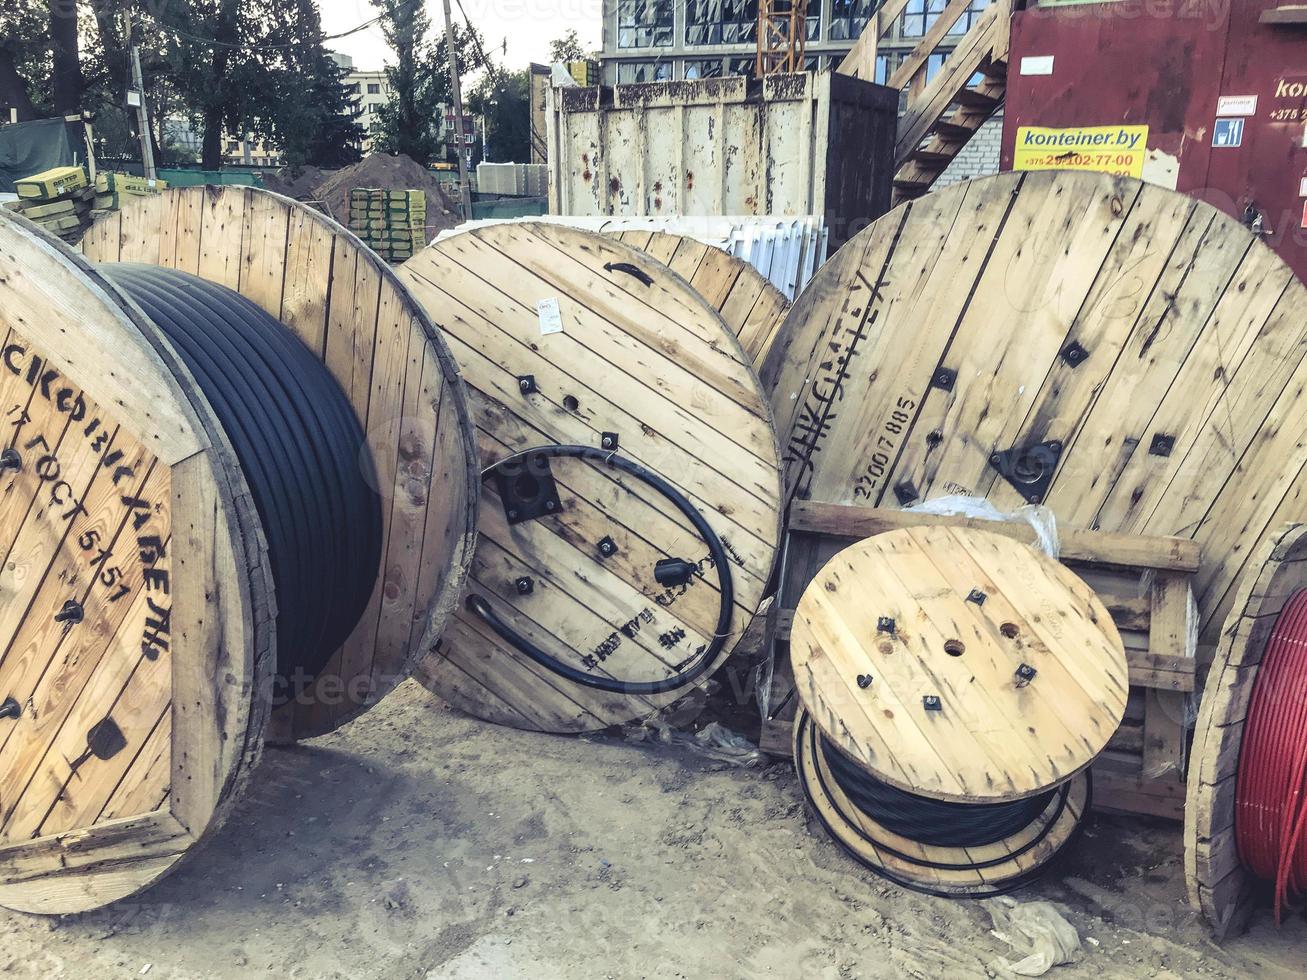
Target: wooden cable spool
(957, 665)
(1123, 354)
(1220, 887)
(752, 308)
(347, 306)
(632, 363)
(137, 602)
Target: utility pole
(465, 191)
(142, 110)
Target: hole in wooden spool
(570, 403)
(1010, 630)
(954, 648)
(527, 487)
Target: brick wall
(979, 158)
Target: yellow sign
(1118, 150)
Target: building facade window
(374, 88)
(709, 68)
(644, 23)
(920, 15)
(633, 72)
(848, 17)
(721, 21)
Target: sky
(527, 25)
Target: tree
(316, 119)
(25, 59)
(566, 48)
(66, 76)
(403, 127)
(421, 89)
(504, 101)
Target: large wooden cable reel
(347, 306)
(752, 308)
(633, 367)
(1123, 354)
(139, 597)
(956, 684)
(1219, 885)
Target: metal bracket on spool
(527, 489)
(1029, 469)
(10, 460)
(11, 709)
(70, 614)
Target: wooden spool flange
(1219, 885)
(136, 607)
(913, 652)
(1127, 355)
(963, 872)
(642, 357)
(752, 308)
(347, 306)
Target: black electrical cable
(299, 444)
(855, 789)
(703, 660)
(938, 823)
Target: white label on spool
(551, 317)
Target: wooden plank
(1173, 630)
(264, 257)
(1161, 553)
(222, 225)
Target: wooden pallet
(1219, 886)
(1142, 770)
(346, 305)
(752, 308)
(568, 337)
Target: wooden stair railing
(944, 112)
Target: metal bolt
(864, 681)
(10, 709)
(525, 585)
(10, 460)
(608, 547)
(885, 624)
(931, 702)
(976, 596)
(70, 613)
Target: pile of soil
(392, 173)
(298, 183)
(329, 190)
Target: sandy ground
(420, 843)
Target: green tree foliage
(503, 99)
(421, 90)
(230, 66)
(404, 124)
(566, 48)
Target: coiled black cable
(939, 823)
(853, 783)
(300, 446)
(716, 551)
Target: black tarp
(28, 148)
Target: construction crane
(782, 36)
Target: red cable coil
(1271, 792)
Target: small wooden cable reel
(956, 685)
(197, 500)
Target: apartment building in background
(664, 40)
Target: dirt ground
(420, 843)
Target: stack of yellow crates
(112, 189)
(58, 200)
(392, 223)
